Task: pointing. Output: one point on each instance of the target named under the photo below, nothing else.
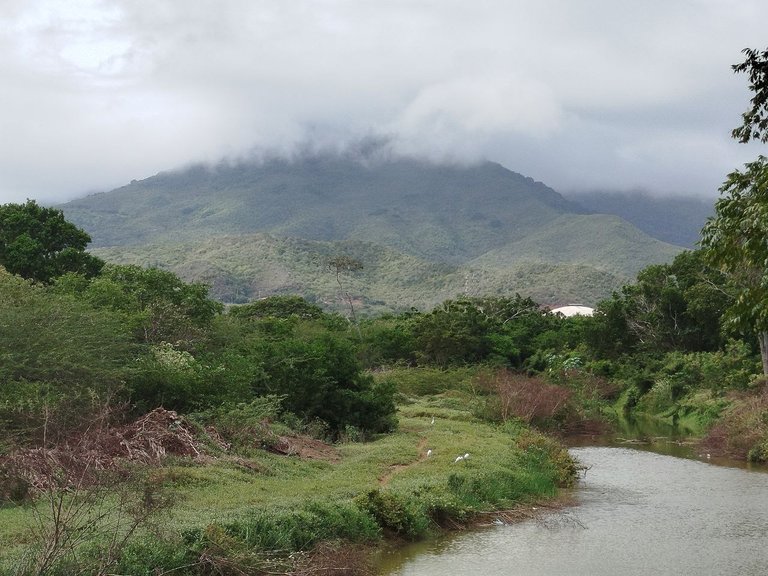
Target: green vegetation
(241, 268)
(143, 398)
(38, 243)
(735, 241)
(241, 470)
(423, 232)
(673, 219)
(149, 429)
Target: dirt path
(397, 468)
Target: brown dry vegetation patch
(335, 558)
(742, 427)
(84, 457)
(305, 447)
(88, 456)
(528, 398)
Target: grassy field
(256, 509)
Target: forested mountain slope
(674, 219)
(423, 231)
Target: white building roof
(573, 310)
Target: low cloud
(579, 95)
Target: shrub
(743, 429)
(398, 515)
(528, 398)
(245, 423)
(300, 529)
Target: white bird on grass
(433, 420)
(458, 459)
(429, 453)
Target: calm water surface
(637, 512)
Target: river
(637, 512)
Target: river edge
(376, 563)
(393, 561)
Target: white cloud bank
(576, 93)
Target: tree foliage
(39, 244)
(278, 307)
(755, 119)
(46, 337)
(674, 306)
(156, 304)
(470, 330)
(735, 241)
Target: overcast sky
(580, 94)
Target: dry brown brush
(742, 431)
(84, 457)
(528, 398)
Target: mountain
(424, 231)
(674, 219)
(250, 266)
(448, 213)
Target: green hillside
(674, 219)
(242, 268)
(424, 232)
(447, 213)
(598, 240)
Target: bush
(300, 529)
(398, 515)
(527, 398)
(321, 378)
(742, 431)
(246, 423)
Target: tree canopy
(755, 119)
(39, 244)
(734, 240)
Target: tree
(278, 307)
(755, 120)
(39, 244)
(735, 238)
(469, 330)
(339, 265)
(735, 241)
(157, 305)
(50, 337)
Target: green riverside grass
(252, 510)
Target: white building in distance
(573, 310)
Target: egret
(433, 420)
(429, 453)
(458, 459)
(466, 455)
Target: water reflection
(657, 436)
(638, 513)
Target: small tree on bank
(735, 241)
